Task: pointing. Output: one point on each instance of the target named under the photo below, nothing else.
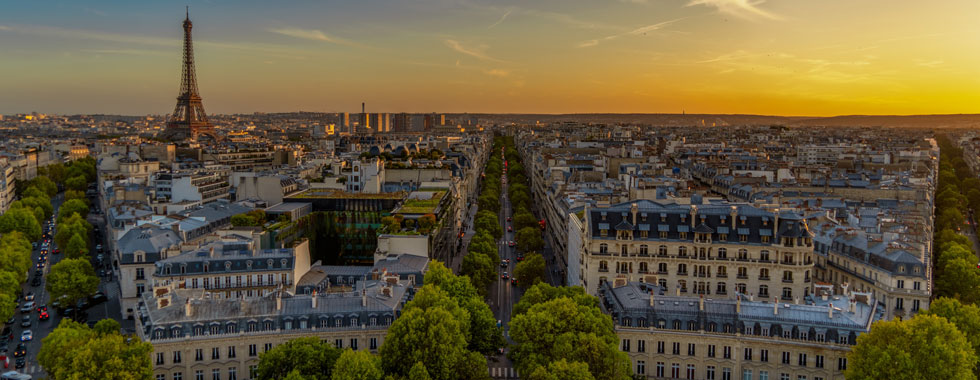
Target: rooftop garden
(421, 206)
(398, 225)
(340, 194)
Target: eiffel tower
(189, 120)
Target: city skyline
(701, 56)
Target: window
(231, 351)
(917, 285)
(728, 352)
(215, 353)
(644, 250)
(764, 256)
(722, 253)
(267, 347)
(690, 371)
(161, 377)
(603, 266)
(159, 358)
(747, 374)
(748, 353)
(177, 357)
(785, 357)
(800, 377)
(726, 374)
(231, 374)
(199, 354)
(253, 371)
(660, 369)
(764, 355)
(199, 375)
(353, 344)
(676, 348)
(711, 351)
(763, 375)
(139, 274)
(783, 376)
(641, 367)
(819, 361)
(841, 364)
(253, 350)
(709, 373)
(660, 347)
(675, 370)
(374, 343)
(690, 349)
(641, 346)
(626, 345)
(801, 360)
(178, 376)
(763, 291)
(603, 248)
(216, 374)
(139, 289)
(662, 250)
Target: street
(41, 329)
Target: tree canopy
(72, 279)
(924, 347)
(308, 357)
(73, 351)
(530, 271)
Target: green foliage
(524, 219)
(966, 318)
(71, 226)
(74, 206)
(480, 270)
(543, 292)
(73, 351)
(489, 201)
(21, 219)
(55, 172)
(15, 257)
(530, 271)
(529, 239)
(73, 279)
(487, 221)
(76, 183)
(45, 184)
(924, 347)
(960, 280)
(563, 329)
(308, 356)
(107, 326)
(484, 334)
(75, 194)
(9, 294)
(357, 365)
(36, 202)
(562, 370)
(77, 248)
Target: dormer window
(248, 264)
(603, 215)
(901, 269)
(228, 265)
(663, 217)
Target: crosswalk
(503, 373)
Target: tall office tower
(189, 120)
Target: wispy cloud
(929, 64)
(747, 9)
(311, 34)
(502, 18)
(475, 52)
(634, 32)
(500, 73)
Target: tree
(480, 270)
(15, 256)
(489, 201)
(107, 326)
(487, 221)
(524, 219)
(76, 183)
(965, 317)
(543, 292)
(563, 329)
(73, 279)
(310, 357)
(34, 202)
(75, 194)
(418, 372)
(74, 206)
(960, 280)
(74, 351)
(21, 219)
(46, 185)
(243, 220)
(924, 347)
(530, 271)
(9, 294)
(485, 336)
(357, 365)
(77, 248)
(33, 191)
(562, 370)
(70, 226)
(55, 172)
(529, 239)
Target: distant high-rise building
(189, 119)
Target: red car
(510, 229)
(44, 316)
(508, 218)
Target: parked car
(20, 363)
(28, 307)
(97, 298)
(36, 281)
(25, 321)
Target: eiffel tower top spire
(189, 118)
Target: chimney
(853, 304)
(694, 214)
(738, 304)
(775, 225)
(363, 297)
(830, 311)
(187, 308)
(734, 215)
(279, 300)
(796, 300)
(362, 108)
(314, 299)
(775, 306)
(651, 298)
(701, 303)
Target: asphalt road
(41, 329)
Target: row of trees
(944, 341)
(442, 334)
(560, 333)
(75, 351)
(529, 271)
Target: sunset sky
(781, 57)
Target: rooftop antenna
(187, 11)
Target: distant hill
(909, 121)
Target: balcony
(763, 278)
(722, 275)
(603, 270)
(788, 262)
(684, 273)
(742, 277)
(788, 280)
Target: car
(44, 316)
(25, 321)
(34, 244)
(101, 273)
(98, 247)
(5, 360)
(67, 311)
(505, 276)
(40, 265)
(29, 296)
(36, 281)
(508, 218)
(513, 281)
(97, 298)
(511, 244)
(28, 306)
(507, 261)
(82, 305)
(503, 264)
(21, 362)
(38, 273)
(20, 350)
(57, 251)
(42, 308)
(520, 258)
(510, 229)
(26, 336)
(99, 258)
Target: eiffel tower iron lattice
(189, 119)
